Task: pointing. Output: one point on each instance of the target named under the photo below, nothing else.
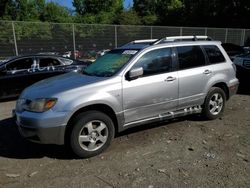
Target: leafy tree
(95, 6)
(147, 10)
(97, 11)
(145, 7)
(158, 11)
(129, 17)
(55, 13)
(170, 12)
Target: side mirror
(135, 73)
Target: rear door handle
(170, 79)
(207, 72)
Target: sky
(68, 3)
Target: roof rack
(182, 38)
(143, 41)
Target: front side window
(155, 62)
(20, 64)
(110, 63)
(190, 57)
(214, 54)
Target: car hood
(58, 84)
(244, 56)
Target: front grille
(246, 64)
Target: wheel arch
(224, 87)
(104, 108)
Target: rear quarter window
(214, 54)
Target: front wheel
(214, 103)
(92, 133)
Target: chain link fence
(81, 40)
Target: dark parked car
(242, 63)
(233, 50)
(19, 72)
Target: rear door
(194, 74)
(218, 63)
(154, 93)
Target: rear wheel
(92, 133)
(214, 103)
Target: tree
(97, 11)
(33, 10)
(145, 7)
(95, 6)
(129, 17)
(170, 12)
(158, 11)
(55, 13)
(217, 13)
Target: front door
(16, 77)
(156, 92)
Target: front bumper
(46, 128)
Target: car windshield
(110, 63)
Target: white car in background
(67, 54)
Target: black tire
(207, 106)
(81, 127)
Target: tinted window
(190, 56)
(214, 54)
(45, 62)
(20, 64)
(155, 62)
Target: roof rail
(143, 41)
(182, 38)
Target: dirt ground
(185, 152)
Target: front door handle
(207, 72)
(170, 79)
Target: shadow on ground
(12, 145)
(244, 87)
(8, 99)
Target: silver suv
(140, 82)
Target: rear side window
(45, 62)
(66, 61)
(214, 54)
(190, 57)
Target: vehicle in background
(19, 72)
(233, 50)
(76, 55)
(128, 86)
(67, 54)
(242, 63)
(102, 52)
(48, 53)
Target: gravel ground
(185, 152)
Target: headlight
(39, 105)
